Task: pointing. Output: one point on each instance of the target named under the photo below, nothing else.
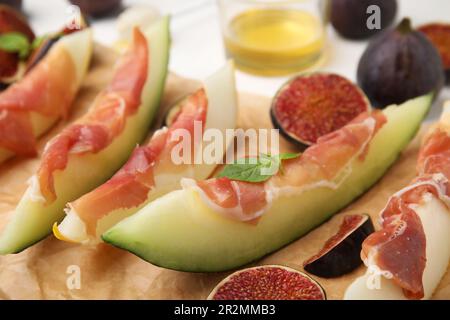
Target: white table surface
(197, 48)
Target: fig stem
(404, 26)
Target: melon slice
(165, 176)
(35, 214)
(180, 231)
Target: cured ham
(403, 249)
(246, 201)
(16, 133)
(30, 106)
(130, 186)
(399, 247)
(402, 230)
(104, 121)
(236, 199)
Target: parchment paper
(45, 270)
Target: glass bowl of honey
(273, 37)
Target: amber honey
(274, 41)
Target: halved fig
(270, 282)
(439, 35)
(11, 21)
(312, 105)
(341, 253)
(9, 63)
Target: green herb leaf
(255, 169)
(288, 156)
(15, 42)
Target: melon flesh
(79, 47)
(221, 115)
(180, 231)
(32, 219)
(435, 218)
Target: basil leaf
(248, 170)
(15, 42)
(269, 165)
(255, 169)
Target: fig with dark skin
(313, 105)
(341, 253)
(399, 65)
(350, 17)
(98, 8)
(16, 4)
(12, 21)
(439, 35)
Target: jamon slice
(29, 107)
(399, 247)
(412, 248)
(195, 229)
(88, 152)
(239, 200)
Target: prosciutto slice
(48, 89)
(240, 200)
(399, 248)
(104, 121)
(323, 164)
(130, 186)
